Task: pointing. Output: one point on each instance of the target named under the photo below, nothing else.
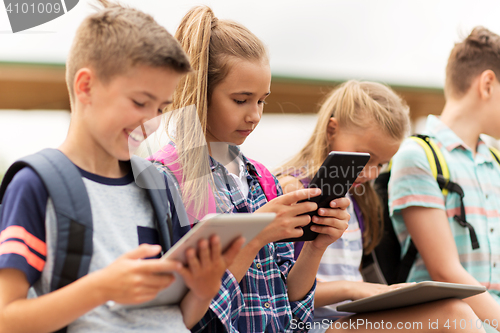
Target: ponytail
(211, 45)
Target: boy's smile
(115, 112)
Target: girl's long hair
(355, 105)
(212, 46)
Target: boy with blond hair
(122, 71)
(445, 241)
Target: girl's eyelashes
(237, 101)
(138, 104)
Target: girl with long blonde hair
(358, 117)
(264, 289)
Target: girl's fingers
(192, 260)
(233, 250)
(215, 248)
(301, 208)
(329, 226)
(185, 273)
(300, 221)
(299, 195)
(203, 252)
(341, 203)
(338, 213)
(320, 229)
(331, 222)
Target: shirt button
(492, 229)
(486, 196)
(267, 305)
(494, 264)
(259, 266)
(253, 188)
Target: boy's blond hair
(478, 52)
(116, 38)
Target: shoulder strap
(406, 263)
(437, 163)
(440, 171)
(65, 186)
(266, 180)
(149, 178)
(168, 156)
(496, 154)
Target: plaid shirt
(259, 303)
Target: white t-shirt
(241, 179)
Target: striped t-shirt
(412, 184)
(341, 261)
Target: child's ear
(332, 128)
(82, 85)
(487, 81)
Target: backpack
(168, 157)
(65, 186)
(384, 264)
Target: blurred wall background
(313, 46)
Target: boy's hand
(332, 223)
(130, 280)
(288, 221)
(204, 269)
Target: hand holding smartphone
(335, 177)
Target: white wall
(26, 132)
(278, 137)
(275, 139)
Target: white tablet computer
(418, 293)
(227, 226)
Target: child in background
(265, 289)
(417, 205)
(122, 70)
(359, 117)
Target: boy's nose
(150, 124)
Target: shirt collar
(235, 151)
(450, 141)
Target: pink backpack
(168, 156)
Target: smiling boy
(121, 72)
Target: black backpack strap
(65, 187)
(454, 187)
(148, 177)
(446, 185)
(406, 263)
(496, 154)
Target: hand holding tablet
(227, 226)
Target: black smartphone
(335, 177)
